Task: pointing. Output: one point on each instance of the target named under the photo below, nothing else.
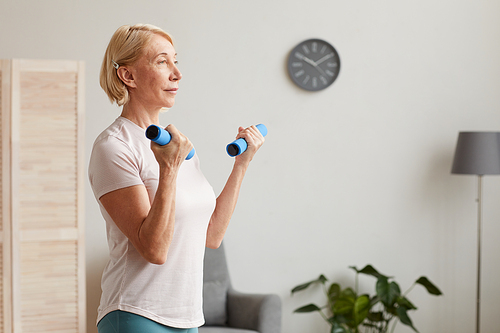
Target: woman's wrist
(241, 164)
(168, 173)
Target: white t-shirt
(170, 294)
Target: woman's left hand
(254, 140)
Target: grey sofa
(229, 311)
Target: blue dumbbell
(237, 147)
(162, 137)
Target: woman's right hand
(175, 152)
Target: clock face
(313, 64)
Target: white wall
(356, 174)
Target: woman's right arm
(150, 226)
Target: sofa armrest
(257, 312)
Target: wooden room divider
(42, 245)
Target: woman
(160, 211)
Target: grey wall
(356, 174)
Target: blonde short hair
(125, 47)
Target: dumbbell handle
(238, 146)
(162, 137)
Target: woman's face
(156, 75)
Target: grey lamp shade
(477, 153)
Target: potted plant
(348, 312)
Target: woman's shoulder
(114, 142)
(113, 153)
(121, 132)
(112, 130)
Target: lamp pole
(479, 232)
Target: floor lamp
(477, 153)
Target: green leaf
(338, 319)
(403, 316)
(361, 309)
(394, 292)
(345, 303)
(320, 279)
(307, 308)
(431, 288)
(334, 292)
(368, 270)
(405, 302)
(387, 292)
(376, 316)
(348, 292)
(343, 306)
(382, 286)
(391, 310)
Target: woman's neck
(140, 116)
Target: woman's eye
(165, 62)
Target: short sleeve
(113, 166)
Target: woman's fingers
(254, 140)
(177, 149)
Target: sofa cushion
(215, 302)
(215, 329)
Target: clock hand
(320, 70)
(309, 61)
(328, 56)
(314, 64)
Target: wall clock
(313, 64)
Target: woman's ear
(126, 76)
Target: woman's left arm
(226, 201)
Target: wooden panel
(1, 290)
(82, 286)
(45, 172)
(1, 207)
(14, 193)
(47, 135)
(51, 66)
(48, 150)
(49, 287)
(1, 157)
(52, 234)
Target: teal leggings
(126, 322)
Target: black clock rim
(298, 83)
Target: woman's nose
(176, 74)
